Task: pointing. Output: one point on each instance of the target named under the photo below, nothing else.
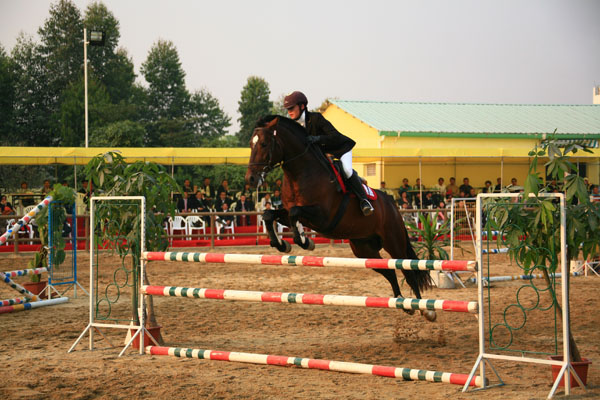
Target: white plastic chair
(177, 224)
(191, 223)
(264, 226)
(223, 225)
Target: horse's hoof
(409, 312)
(429, 315)
(282, 246)
(307, 245)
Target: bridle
(268, 166)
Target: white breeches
(346, 160)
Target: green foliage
(209, 121)
(7, 88)
(254, 103)
(432, 239)
(112, 176)
(121, 134)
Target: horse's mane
(285, 122)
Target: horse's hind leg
(400, 247)
(369, 248)
(300, 237)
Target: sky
(459, 51)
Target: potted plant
(430, 246)
(66, 196)
(539, 226)
(112, 176)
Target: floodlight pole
(85, 85)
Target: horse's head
(265, 153)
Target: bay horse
(310, 197)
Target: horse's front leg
(300, 237)
(270, 217)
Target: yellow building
(478, 141)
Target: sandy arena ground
(34, 344)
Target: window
(371, 169)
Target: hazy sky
(504, 51)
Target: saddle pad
(371, 195)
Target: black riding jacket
(331, 141)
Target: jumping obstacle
(17, 287)
(312, 261)
(29, 306)
(313, 299)
(12, 302)
(25, 220)
(407, 374)
(495, 251)
(25, 272)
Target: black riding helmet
(293, 99)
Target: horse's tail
(420, 277)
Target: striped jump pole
(312, 261)
(36, 304)
(25, 220)
(12, 302)
(313, 299)
(17, 287)
(495, 251)
(407, 374)
(24, 272)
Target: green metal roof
(481, 120)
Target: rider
(320, 131)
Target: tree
(70, 119)
(111, 65)
(7, 88)
(167, 94)
(254, 103)
(209, 120)
(31, 108)
(61, 49)
(118, 134)
(278, 108)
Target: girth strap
(338, 215)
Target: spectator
(263, 190)
(473, 192)
(488, 187)
(26, 200)
(587, 185)
(224, 187)
(404, 200)
(417, 200)
(5, 207)
(465, 187)
(209, 191)
(65, 183)
(184, 204)
(441, 215)
(428, 201)
(498, 187)
(514, 187)
(418, 185)
(276, 186)
(276, 199)
(452, 188)
(222, 199)
(595, 193)
(224, 219)
(264, 201)
(440, 187)
(242, 205)
(187, 186)
(389, 192)
(405, 187)
(46, 188)
(199, 203)
(246, 192)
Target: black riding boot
(359, 190)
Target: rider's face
(294, 112)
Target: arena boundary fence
(487, 355)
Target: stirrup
(366, 207)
